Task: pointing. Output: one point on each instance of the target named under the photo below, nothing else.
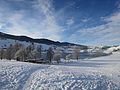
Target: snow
(113, 56)
(13, 75)
(113, 48)
(94, 74)
(5, 43)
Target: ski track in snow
(74, 75)
(13, 75)
(55, 79)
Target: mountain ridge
(42, 40)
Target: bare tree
(21, 54)
(29, 50)
(39, 50)
(2, 53)
(36, 54)
(50, 54)
(9, 52)
(76, 52)
(68, 57)
(57, 55)
(14, 49)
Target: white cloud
(46, 27)
(49, 24)
(104, 34)
(118, 4)
(18, 0)
(70, 21)
(85, 19)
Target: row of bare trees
(20, 52)
(32, 52)
(75, 54)
(9, 53)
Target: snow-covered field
(95, 74)
(114, 56)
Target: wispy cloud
(117, 4)
(70, 21)
(41, 19)
(85, 19)
(103, 34)
(43, 26)
(49, 23)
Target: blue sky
(88, 22)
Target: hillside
(40, 41)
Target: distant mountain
(41, 41)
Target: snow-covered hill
(5, 43)
(73, 75)
(39, 41)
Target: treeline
(35, 53)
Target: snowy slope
(7, 42)
(4, 43)
(73, 75)
(114, 56)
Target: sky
(87, 22)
